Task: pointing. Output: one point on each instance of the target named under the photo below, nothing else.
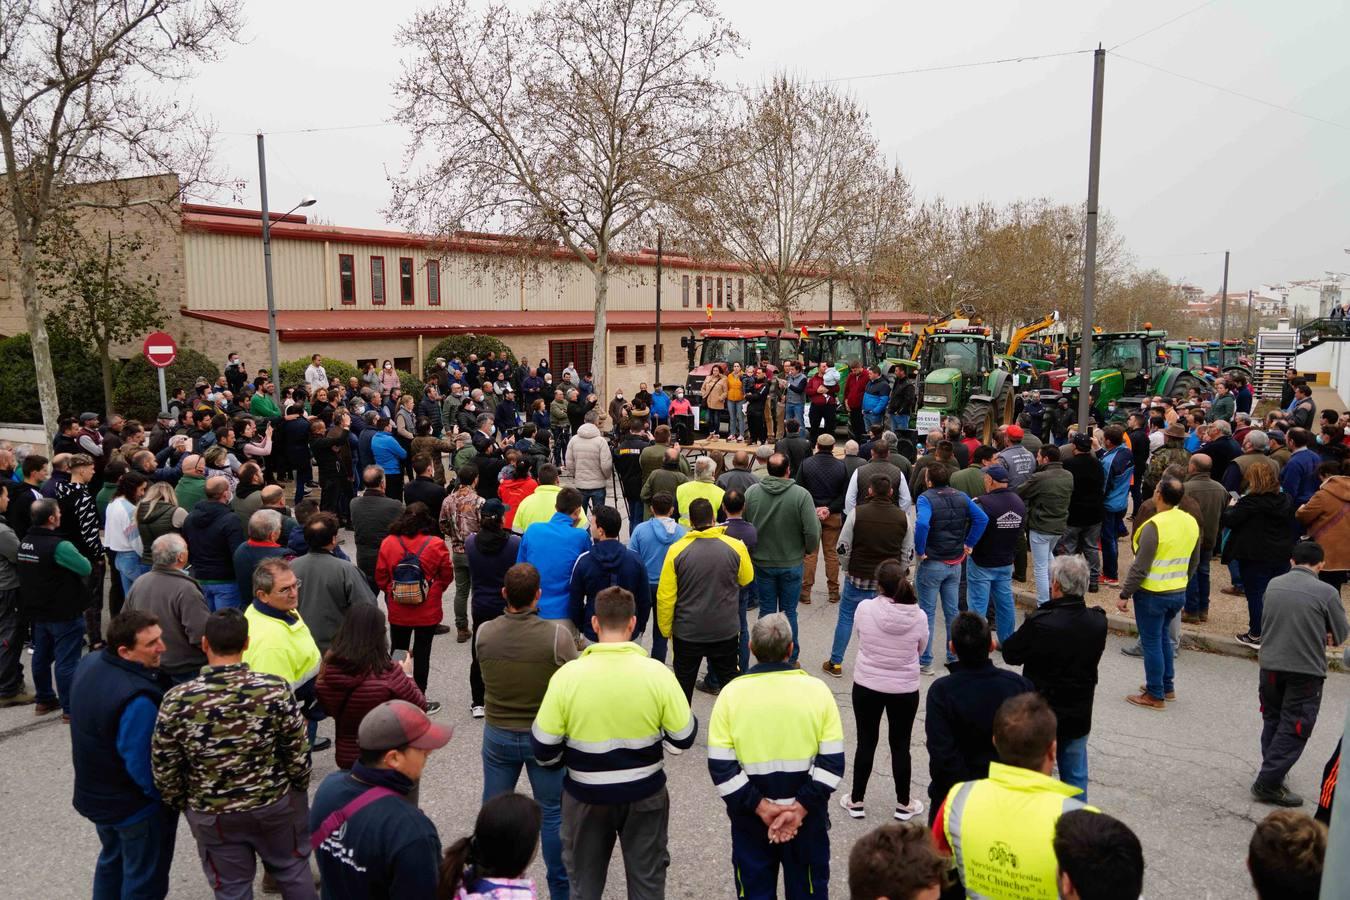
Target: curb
(1190, 639)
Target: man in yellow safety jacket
(1166, 553)
(1000, 830)
(776, 753)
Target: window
(347, 277)
(740, 293)
(560, 353)
(433, 282)
(377, 280)
(403, 363)
(620, 355)
(698, 292)
(639, 354)
(405, 280)
(719, 293)
(684, 291)
(710, 291)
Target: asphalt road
(1179, 778)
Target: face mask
(1111, 407)
(618, 396)
(679, 394)
(359, 408)
(388, 365)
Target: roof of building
(359, 324)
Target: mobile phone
(399, 656)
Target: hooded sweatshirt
(784, 516)
(608, 564)
(589, 459)
(891, 636)
(651, 540)
(552, 547)
(1327, 519)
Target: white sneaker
(477, 712)
(905, 813)
(853, 809)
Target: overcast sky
(1186, 169)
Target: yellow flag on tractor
(904, 329)
(882, 334)
(803, 333)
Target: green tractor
(840, 347)
(1187, 355)
(960, 377)
(1230, 357)
(1129, 367)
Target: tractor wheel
(980, 414)
(1183, 384)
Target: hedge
(293, 373)
(464, 344)
(136, 390)
(79, 383)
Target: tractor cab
(1188, 355)
(725, 346)
(960, 377)
(1129, 367)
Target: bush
(464, 344)
(136, 391)
(79, 383)
(293, 373)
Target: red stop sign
(160, 349)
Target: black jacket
(1086, 504)
(628, 463)
(425, 491)
(826, 478)
(1059, 647)
(901, 402)
(959, 722)
(1262, 528)
(795, 449)
(213, 533)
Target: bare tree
(571, 124)
(873, 248)
(76, 107)
(788, 178)
(947, 262)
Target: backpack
(409, 586)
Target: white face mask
(618, 396)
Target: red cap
(396, 723)
(1015, 432)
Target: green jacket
(1047, 494)
(189, 490)
(1224, 407)
(970, 481)
(264, 406)
(784, 515)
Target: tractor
(1188, 355)
(1026, 359)
(1230, 357)
(749, 347)
(840, 347)
(1129, 367)
(959, 376)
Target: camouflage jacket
(1170, 453)
(229, 740)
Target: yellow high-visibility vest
(1177, 535)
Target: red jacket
(511, 492)
(854, 388)
(437, 568)
(813, 386)
(347, 697)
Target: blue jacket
(552, 547)
(364, 454)
(608, 564)
(651, 540)
(1299, 476)
(387, 452)
(661, 404)
(1118, 464)
(923, 519)
(876, 396)
(213, 533)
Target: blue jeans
(795, 411)
(1234, 572)
(221, 595)
(1042, 548)
(1256, 577)
(594, 497)
(870, 419)
(779, 590)
(135, 859)
(983, 582)
(1197, 589)
(1113, 527)
(898, 421)
(936, 579)
(735, 418)
(843, 628)
(636, 510)
(1152, 614)
(1071, 758)
(504, 753)
(129, 566)
(56, 643)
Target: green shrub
(79, 383)
(464, 344)
(136, 391)
(293, 373)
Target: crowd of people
(237, 624)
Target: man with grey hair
(802, 764)
(173, 597)
(264, 540)
(1220, 447)
(738, 477)
(1255, 451)
(703, 486)
(1059, 647)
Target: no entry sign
(160, 349)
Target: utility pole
(1248, 332)
(1090, 241)
(829, 315)
(275, 370)
(1223, 304)
(660, 233)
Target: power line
(1240, 94)
(379, 124)
(951, 67)
(1163, 25)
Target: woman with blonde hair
(217, 460)
(158, 513)
(1261, 538)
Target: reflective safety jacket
(604, 717)
(1177, 536)
(775, 733)
(1001, 830)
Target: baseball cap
(825, 440)
(397, 723)
(88, 417)
(493, 509)
(1082, 441)
(997, 473)
(1015, 432)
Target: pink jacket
(890, 638)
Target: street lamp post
(275, 371)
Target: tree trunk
(598, 349)
(105, 365)
(865, 314)
(37, 336)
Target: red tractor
(724, 346)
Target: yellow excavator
(962, 311)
